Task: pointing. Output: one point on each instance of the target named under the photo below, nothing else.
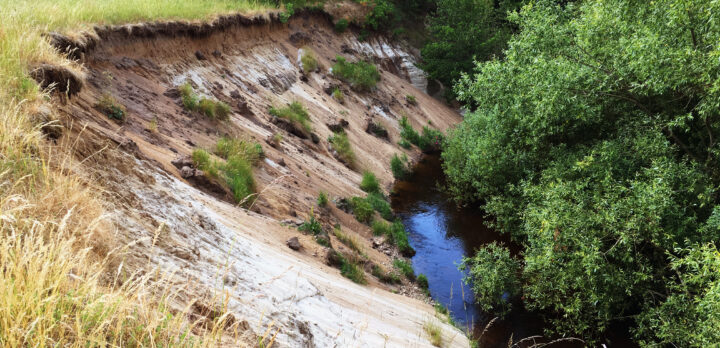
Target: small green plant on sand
(294, 112)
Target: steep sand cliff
(214, 249)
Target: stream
(442, 234)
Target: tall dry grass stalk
(61, 283)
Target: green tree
(593, 142)
(462, 31)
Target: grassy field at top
(55, 244)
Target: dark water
(442, 234)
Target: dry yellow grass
(56, 248)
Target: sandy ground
(214, 247)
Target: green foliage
(213, 109)
(398, 166)
(352, 271)
(493, 275)
(370, 183)
(404, 144)
(384, 276)
(405, 268)
(431, 140)
(239, 176)
(308, 60)
(190, 99)
(380, 227)
(398, 236)
(342, 146)
(236, 170)
(463, 31)
(227, 147)
(411, 99)
(362, 209)
(294, 112)
(380, 204)
(338, 95)
(594, 144)
(111, 108)
(341, 25)
(360, 75)
(422, 282)
(311, 226)
(322, 200)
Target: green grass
(411, 99)
(423, 283)
(341, 25)
(308, 60)
(322, 199)
(60, 224)
(213, 109)
(398, 166)
(360, 75)
(294, 112)
(338, 95)
(432, 329)
(311, 226)
(369, 182)
(380, 204)
(385, 276)
(109, 106)
(350, 241)
(380, 228)
(251, 151)
(341, 144)
(398, 236)
(352, 271)
(362, 210)
(405, 268)
(430, 139)
(236, 170)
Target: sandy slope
(215, 249)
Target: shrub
(338, 95)
(222, 111)
(422, 282)
(311, 226)
(277, 138)
(405, 268)
(207, 107)
(398, 236)
(398, 166)
(360, 75)
(353, 272)
(190, 99)
(493, 275)
(411, 99)
(362, 210)
(111, 108)
(341, 144)
(380, 204)
(322, 199)
(430, 140)
(227, 147)
(308, 60)
(341, 25)
(369, 182)
(404, 144)
(295, 112)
